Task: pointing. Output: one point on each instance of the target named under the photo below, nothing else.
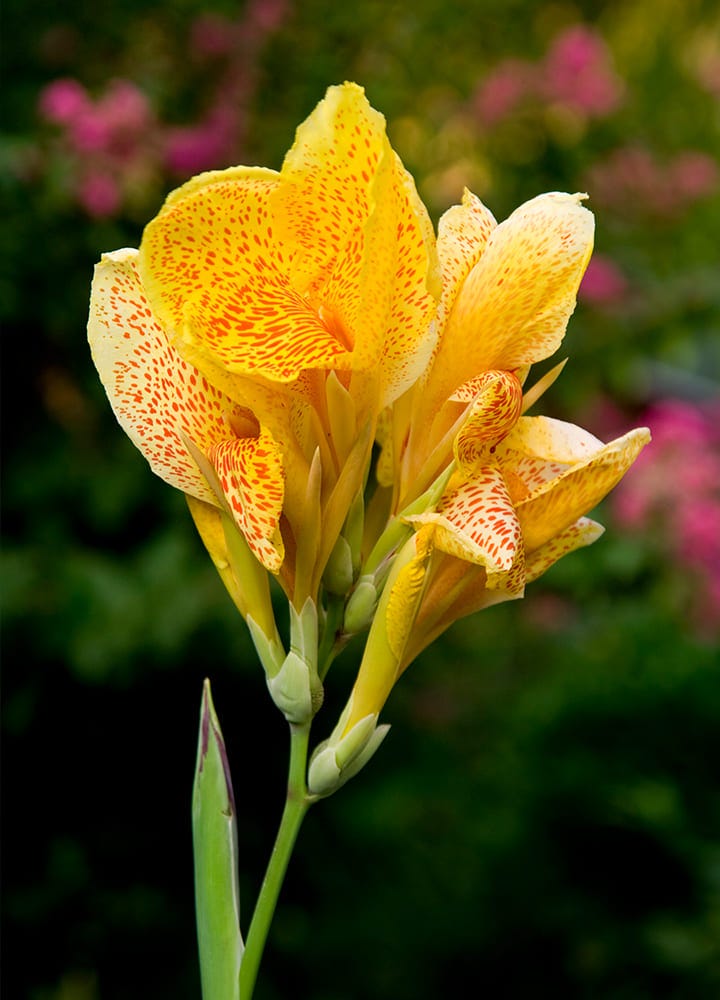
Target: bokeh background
(544, 818)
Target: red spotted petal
(476, 520)
(496, 404)
(250, 473)
(158, 399)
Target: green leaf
(217, 899)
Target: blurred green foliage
(544, 818)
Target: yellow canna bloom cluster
(275, 331)
(249, 344)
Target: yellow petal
(325, 265)
(513, 307)
(367, 244)
(582, 532)
(245, 579)
(463, 234)
(557, 503)
(250, 472)
(158, 399)
(496, 403)
(217, 276)
(476, 520)
(411, 334)
(551, 440)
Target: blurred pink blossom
(503, 90)
(578, 72)
(694, 174)
(268, 14)
(212, 36)
(114, 146)
(632, 180)
(99, 194)
(604, 283)
(201, 147)
(674, 495)
(63, 100)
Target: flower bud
(337, 759)
(361, 606)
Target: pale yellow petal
(463, 234)
(556, 504)
(552, 440)
(514, 305)
(583, 532)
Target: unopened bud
(361, 606)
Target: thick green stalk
(296, 805)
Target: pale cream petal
(463, 234)
(476, 520)
(556, 504)
(158, 399)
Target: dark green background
(543, 818)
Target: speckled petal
(156, 396)
(368, 247)
(582, 532)
(552, 440)
(250, 473)
(476, 520)
(217, 276)
(324, 265)
(496, 403)
(514, 305)
(463, 234)
(556, 504)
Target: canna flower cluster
(342, 396)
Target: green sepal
(290, 690)
(295, 687)
(217, 894)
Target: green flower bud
(338, 575)
(361, 606)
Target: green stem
(296, 805)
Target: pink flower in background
(268, 14)
(212, 36)
(503, 90)
(62, 101)
(632, 180)
(603, 284)
(578, 72)
(694, 175)
(675, 496)
(114, 146)
(99, 194)
(204, 146)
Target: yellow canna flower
(518, 486)
(250, 343)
